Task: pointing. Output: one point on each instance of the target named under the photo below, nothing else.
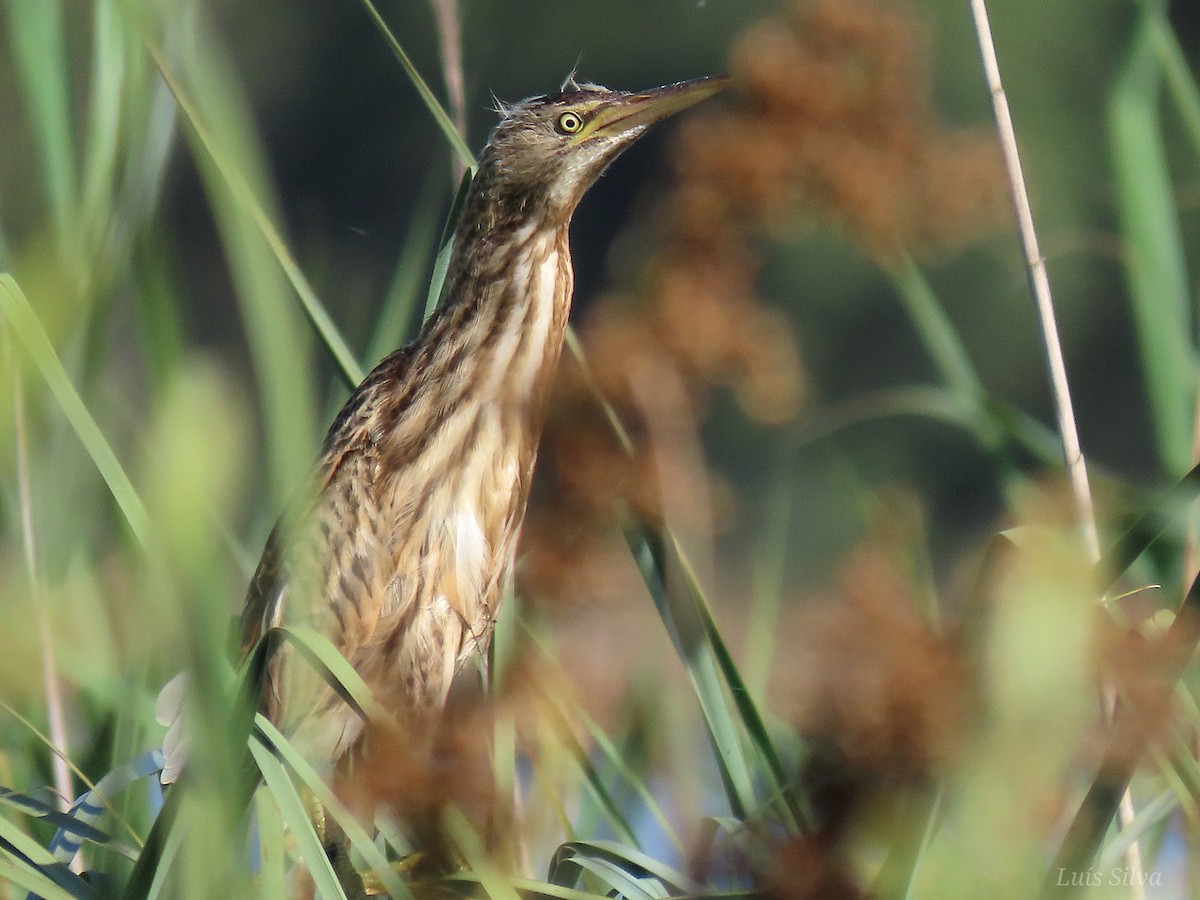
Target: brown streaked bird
(406, 549)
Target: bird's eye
(569, 123)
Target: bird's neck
(499, 333)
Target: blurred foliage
(832, 475)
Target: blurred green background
(177, 326)
(352, 153)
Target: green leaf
(491, 879)
(39, 48)
(1180, 82)
(271, 854)
(33, 880)
(24, 321)
(395, 317)
(273, 739)
(101, 138)
(568, 868)
(291, 807)
(936, 331)
(431, 102)
(320, 653)
(679, 616)
(242, 192)
(795, 809)
(438, 281)
(1156, 269)
(633, 863)
(1150, 815)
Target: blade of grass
(438, 281)
(1180, 82)
(160, 884)
(568, 867)
(396, 316)
(273, 740)
(595, 784)
(491, 879)
(39, 48)
(36, 882)
(104, 116)
(687, 635)
(795, 811)
(1156, 269)
(936, 331)
(692, 630)
(51, 688)
(444, 122)
(291, 807)
(272, 857)
(629, 861)
(333, 667)
(1150, 815)
(242, 192)
(24, 321)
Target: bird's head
(552, 148)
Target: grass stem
(1040, 286)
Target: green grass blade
(273, 739)
(24, 321)
(333, 667)
(39, 48)
(396, 317)
(23, 843)
(595, 784)
(242, 192)
(795, 810)
(494, 883)
(457, 144)
(630, 861)
(160, 885)
(936, 331)
(104, 115)
(1180, 82)
(570, 865)
(25, 876)
(271, 854)
(1150, 815)
(438, 280)
(687, 635)
(1156, 270)
(291, 807)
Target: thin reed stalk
(1040, 287)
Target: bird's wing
(297, 541)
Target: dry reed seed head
(871, 680)
(571, 567)
(1136, 665)
(837, 118)
(807, 869)
(417, 768)
(734, 167)
(771, 385)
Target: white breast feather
(470, 552)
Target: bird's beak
(637, 111)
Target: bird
(404, 547)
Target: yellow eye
(569, 123)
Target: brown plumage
(406, 549)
